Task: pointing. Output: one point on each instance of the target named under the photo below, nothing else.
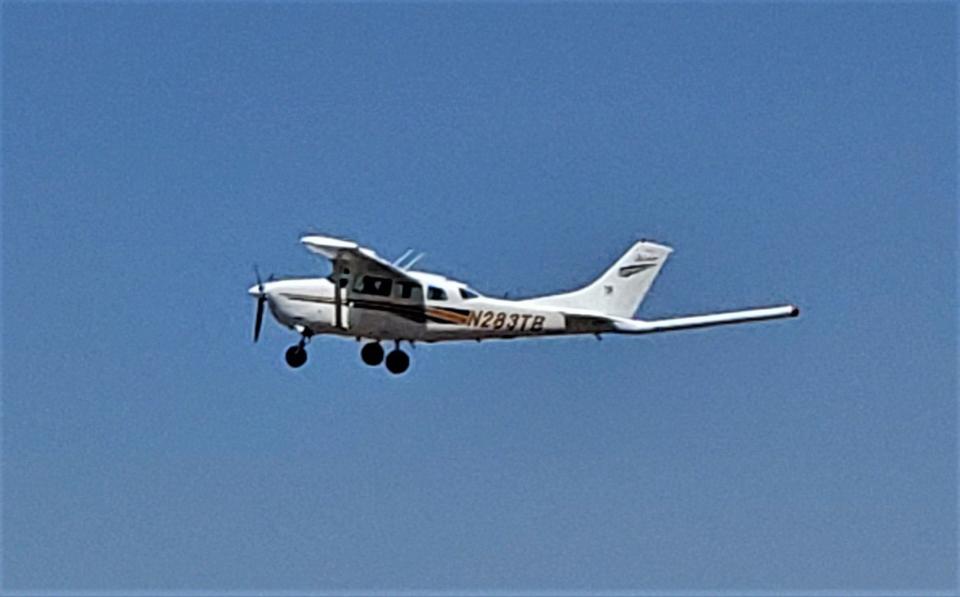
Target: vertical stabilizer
(621, 289)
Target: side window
(467, 294)
(436, 294)
(373, 285)
(409, 290)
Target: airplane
(370, 298)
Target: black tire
(296, 356)
(397, 362)
(372, 353)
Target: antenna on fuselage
(413, 261)
(402, 257)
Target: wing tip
(327, 241)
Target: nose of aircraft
(268, 288)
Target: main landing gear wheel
(397, 361)
(372, 353)
(296, 356)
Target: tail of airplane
(621, 289)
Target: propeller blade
(261, 300)
(259, 323)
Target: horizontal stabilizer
(633, 326)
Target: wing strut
(336, 305)
(338, 293)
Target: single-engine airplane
(369, 297)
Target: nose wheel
(296, 355)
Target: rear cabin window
(409, 290)
(374, 285)
(467, 294)
(436, 294)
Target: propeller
(261, 301)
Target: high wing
(596, 323)
(345, 253)
(357, 269)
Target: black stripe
(412, 312)
(416, 313)
(307, 298)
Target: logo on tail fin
(629, 270)
(642, 255)
(642, 260)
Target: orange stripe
(449, 316)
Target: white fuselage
(454, 313)
(366, 296)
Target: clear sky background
(152, 153)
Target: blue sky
(807, 153)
